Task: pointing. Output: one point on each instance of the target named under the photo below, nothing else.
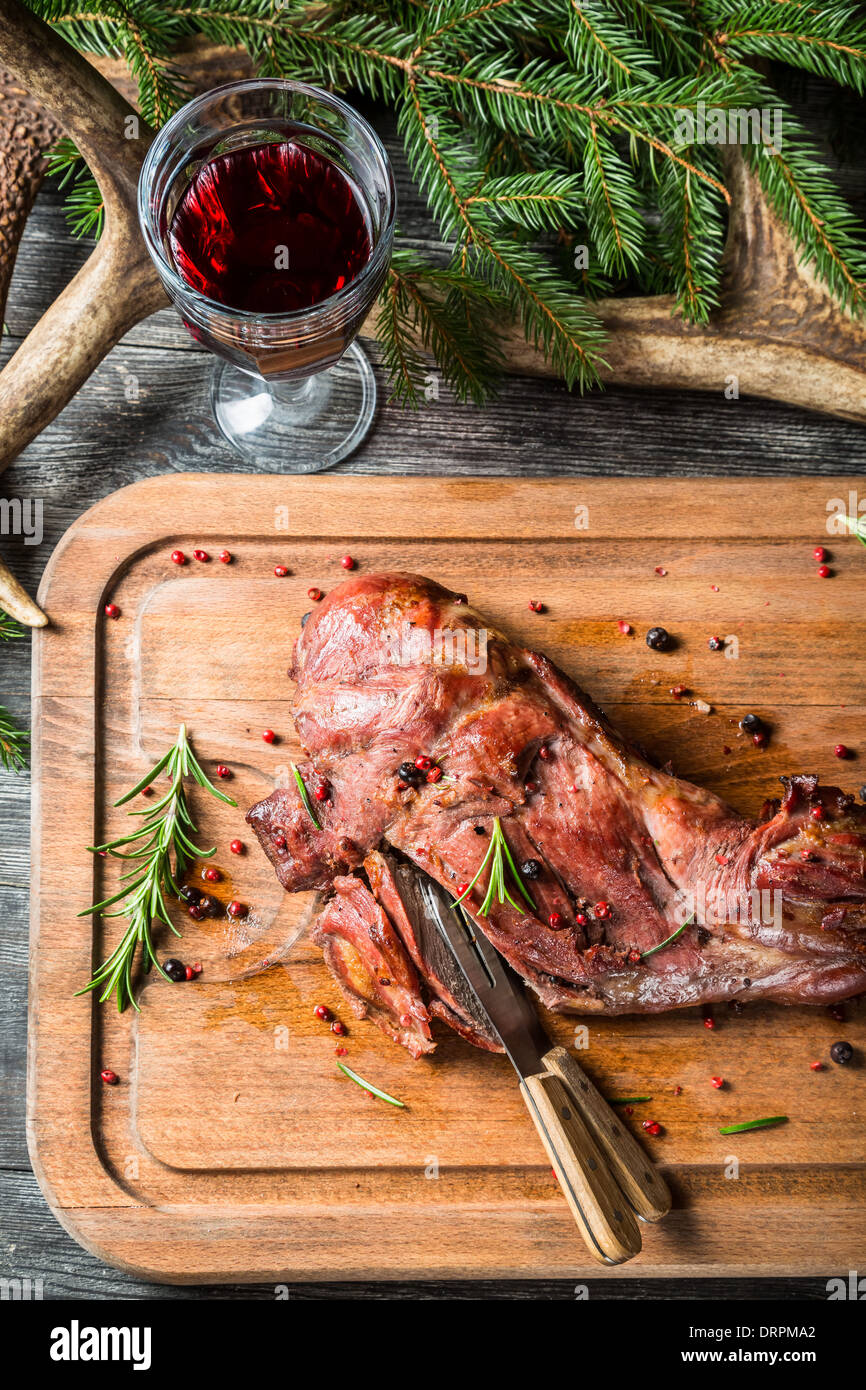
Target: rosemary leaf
(857, 527)
(755, 1124)
(305, 797)
(374, 1090)
(668, 939)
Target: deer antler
(89, 317)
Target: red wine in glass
(268, 207)
(270, 228)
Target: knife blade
(498, 990)
(546, 1072)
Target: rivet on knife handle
(603, 1215)
(644, 1187)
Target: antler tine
(91, 111)
(15, 600)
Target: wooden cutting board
(233, 1149)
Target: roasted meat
(370, 964)
(624, 854)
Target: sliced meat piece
(397, 886)
(303, 855)
(371, 966)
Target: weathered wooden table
(146, 411)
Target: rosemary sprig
(628, 1100)
(164, 832)
(755, 1124)
(366, 1086)
(668, 939)
(498, 854)
(305, 796)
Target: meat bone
(777, 331)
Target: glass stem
(291, 392)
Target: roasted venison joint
(622, 851)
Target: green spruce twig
(14, 741)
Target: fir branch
(612, 202)
(10, 628)
(450, 313)
(553, 318)
(829, 40)
(801, 189)
(674, 44)
(691, 238)
(538, 202)
(84, 208)
(599, 42)
(14, 743)
(453, 26)
(522, 118)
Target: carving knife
(606, 1178)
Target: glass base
(296, 426)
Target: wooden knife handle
(597, 1205)
(645, 1189)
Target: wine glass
(268, 208)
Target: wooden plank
(282, 1168)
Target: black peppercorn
(174, 969)
(189, 893)
(751, 724)
(408, 772)
(530, 868)
(658, 638)
(841, 1052)
(211, 907)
